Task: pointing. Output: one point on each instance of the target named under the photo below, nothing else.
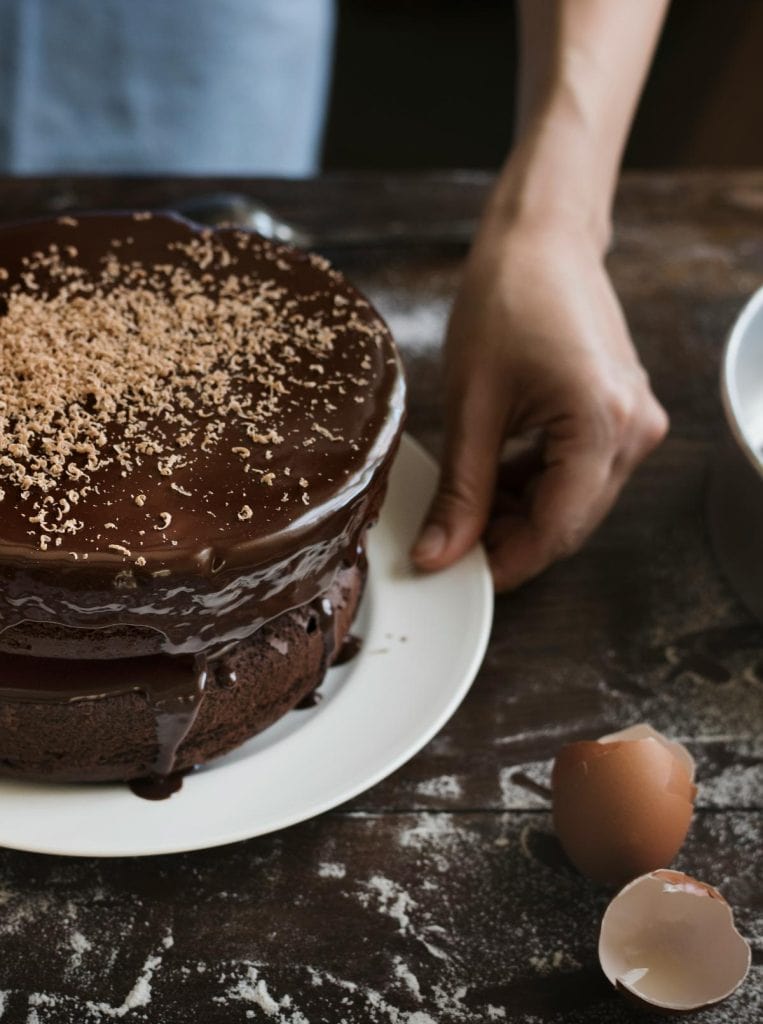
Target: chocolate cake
(196, 429)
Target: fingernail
(431, 543)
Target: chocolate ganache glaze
(196, 428)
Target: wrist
(555, 177)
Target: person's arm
(537, 342)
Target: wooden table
(442, 895)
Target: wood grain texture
(442, 895)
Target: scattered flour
(39, 999)
(543, 732)
(439, 841)
(443, 786)
(406, 975)
(516, 796)
(377, 1008)
(733, 788)
(553, 962)
(348, 986)
(417, 323)
(140, 994)
(253, 989)
(20, 911)
(451, 1004)
(80, 945)
(330, 869)
(434, 834)
(377, 1002)
(396, 903)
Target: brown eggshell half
(669, 942)
(620, 809)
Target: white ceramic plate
(423, 640)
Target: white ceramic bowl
(735, 496)
(742, 381)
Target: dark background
(422, 84)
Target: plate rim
(336, 797)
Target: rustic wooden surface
(442, 895)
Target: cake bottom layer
(138, 732)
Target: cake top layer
(168, 390)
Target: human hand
(537, 343)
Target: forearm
(583, 65)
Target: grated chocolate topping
(164, 386)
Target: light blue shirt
(164, 86)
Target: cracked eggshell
(644, 731)
(622, 805)
(669, 942)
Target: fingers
(570, 498)
(522, 458)
(643, 437)
(461, 506)
(568, 502)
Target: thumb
(461, 506)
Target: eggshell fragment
(622, 805)
(669, 941)
(643, 731)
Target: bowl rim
(729, 392)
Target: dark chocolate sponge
(113, 737)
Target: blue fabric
(164, 86)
